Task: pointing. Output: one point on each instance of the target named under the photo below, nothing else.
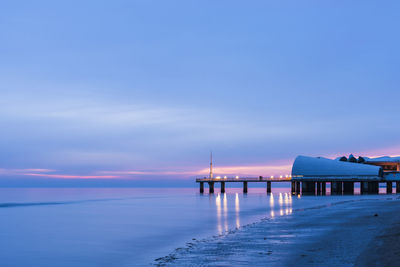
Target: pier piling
(201, 187)
(348, 187)
(303, 187)
(323, 188)
(211, 187)
(373, 187)
(335, 188)
(268, 187)
(318, 188)
(389, 187)
(293, 187)
(244, 187)
(397, 187)
(363, 187)
(298, 188)
(340, 187)
(222, 187)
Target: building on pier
(366, 169)
(327, 169)
(388, 164)
(342, 174)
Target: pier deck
(241, 180)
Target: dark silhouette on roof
(352, 159)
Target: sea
(129, 226)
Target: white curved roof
(309, 166)
(383, 159)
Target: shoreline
(344, 233)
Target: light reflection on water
(225, 212)
(222, 201)
(237, 210)
(218, 204)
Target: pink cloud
(63, 176)
(249, 170)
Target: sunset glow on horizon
(282, 169)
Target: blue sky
(143, 90)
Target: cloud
(64, 176)
(47, 173)
(23, 171)
(251, 170)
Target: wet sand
(362, 232)
(384, 250)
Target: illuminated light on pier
(272, 177)
(237, 177)
(225, 177)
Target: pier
(308, 186)
(311, 175)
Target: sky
(101, 93)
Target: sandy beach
(363, 232)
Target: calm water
(126, 227)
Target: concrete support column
(397, 187)
(222, 187)
(323, 188)
(298, 188)
(373, 187)
(244, 187)
(389, 187)
(334, 187)
(303, 187)
(211, 187)
(293, 187)
(363, 187)
(269, 187)
(318, 188)
(201, 187)
(310, 188)
(348, 187)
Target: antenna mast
(211, 168)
